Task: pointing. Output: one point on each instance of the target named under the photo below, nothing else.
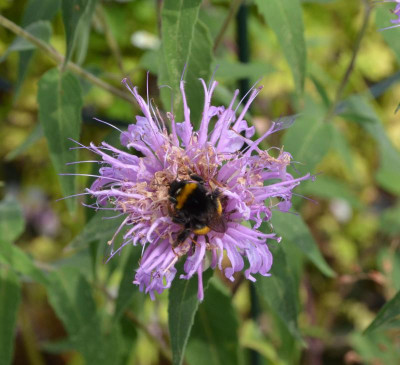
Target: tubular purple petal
(250, 184)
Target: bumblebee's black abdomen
(192, 198)
(197, 201)
(196, 209)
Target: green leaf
(285, 19)
(39, 10)
(214, 338)
(295, 232)
(229, 70)
(280, 293)
(359, 110)
(186, 42)
(182, 307)
(83, 30)
(330, 188)
(40, 29)
(98, 229)
(375, 347)
(35, 10)
(21, 262)
(72, 12)
(309, 138)
(33, 137)
(390, 311)
(389, 220)
(127, 291)
(391, 36)
(10, 297)
(71, 297)
(60, 104)
(342, 146)
(12, 222)
(149, 61)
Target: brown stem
(110, 38)
(231, 14)
(59, 59)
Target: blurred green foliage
(333, 297)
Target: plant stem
(161, 346)
(110, 38)
(231, 14)
(350, 67)
(59, 59)
(159, 343)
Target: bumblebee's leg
(178, 219)
(182, 236)
(208, 245)
(194, 243)
(194, 239)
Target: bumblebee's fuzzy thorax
(196, 208)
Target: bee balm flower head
(223, 163)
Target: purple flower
(251, 184)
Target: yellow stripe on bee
(184, 194)
(203, 230)
(219, 207)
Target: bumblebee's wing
(217, 223)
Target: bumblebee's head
(175, 187)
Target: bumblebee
(197, 209)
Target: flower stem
(231, 14)
(59, 59)
(350, 67)
(112, 42)
(159, 343)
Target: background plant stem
(350, 67)
(59, 59)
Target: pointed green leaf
(21, 262)
(127, 291)
(383, 15)
(285, 19)
(35, 10)
(40, 10)
(359, 110)
(72, 12)
(12, 221)
(182, 307)
(330, 188)
(214, 337)
(12, 224)
(295, 232)
(99, 228)
(71, 297)
(40, 29)
(389, 220)
(186, 42)
(60, 104)
(390, 311)
(10, 297)
(82, 41)
(229, 70)
(280, 293)
(309, 138)
(342, 147)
